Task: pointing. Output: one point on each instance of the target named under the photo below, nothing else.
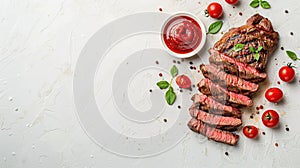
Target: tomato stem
(268, 116)
(290, 65)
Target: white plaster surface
(40, 41)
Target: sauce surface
(182, 34)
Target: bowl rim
(203, 39)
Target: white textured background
(39, 44)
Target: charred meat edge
(230, 65)
(257, 32)
(207, 87)
(208, 104)
(231, 82)
(217, 121)
(213, 133)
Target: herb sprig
(170, 95)
(264, 4)
(292, 55)
(256, 52)
(238, 47)
(215, 27)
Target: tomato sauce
(182, 34)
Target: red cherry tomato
(250, 131)
(215, 10)
(274, 95)
(287, 73)
(183, 81)
(232, 2)
(270, 118)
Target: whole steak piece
(258, 32)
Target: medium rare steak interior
(231, 79)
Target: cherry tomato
(274, 95)
(287, 73)
(215, 10)
(232, 2)
(250, 131)
(183, 81)
(270, 118)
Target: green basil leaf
(265, 5)
(174, 71)
(215, 27)
(292, 55)
(170, 96)
(163, 84)
(254, 3)
(256, 56)
(259, 49)
(252, 49)
(238, 47)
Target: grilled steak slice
(207, 87)
(231, 82)
(257, 32)
(230, 65)
(213, 133)
(208, 104)
(217, 121)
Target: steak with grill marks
(217, 121)
(231, 78)
(206, 103)
(207, 87)
(213, 133)
(232, 66)
(257, 32)
(231, 82)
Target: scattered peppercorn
(261, 107)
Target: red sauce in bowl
(182, 34)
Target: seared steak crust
(213, 133)
(257, 32)
(234, 67)
(231, 82)
(221, 122)
(231, 78)
(208, 104)
(220, 94)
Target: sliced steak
(208, 104)
(213, 133)
(207, 87)
(217, 121)
(257, 32)
(231, 82)
(234, 67)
